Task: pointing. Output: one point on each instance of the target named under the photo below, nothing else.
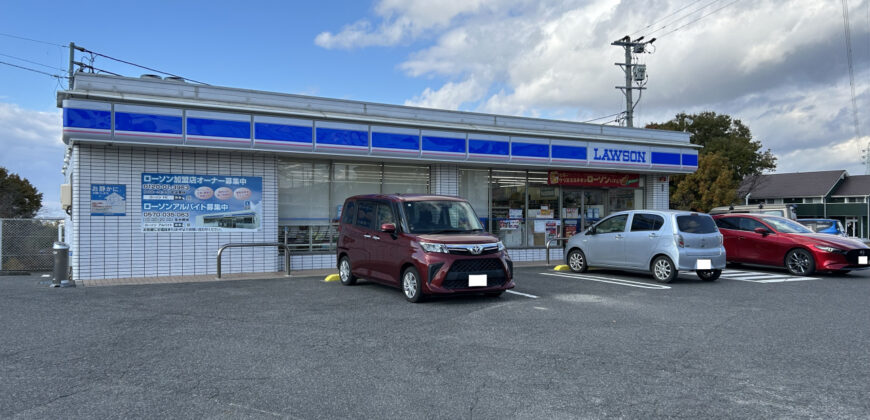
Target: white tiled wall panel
(657, 194)
(107, 247)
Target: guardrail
(248, 245)
(551, 240)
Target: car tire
(494, 294)
(709, 275)
(345, 272)
(800, 262)
(663, 269)
(412, 286)
(577, 261)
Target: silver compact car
(664, 242)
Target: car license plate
(477, 280)
(862, 260)
(704, 265)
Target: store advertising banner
(201, 203)
(593, 179)
(108, 200)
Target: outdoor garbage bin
(60, 277)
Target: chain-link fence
(26, 244)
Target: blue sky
(778, 65)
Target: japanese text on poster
(108, 200)
(201, 203)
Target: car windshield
(823, 224)
(441, 217)
(786, 225)
(696, 223)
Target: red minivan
(423, 244)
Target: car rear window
(696, 223)
(645, 222)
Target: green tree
(18, 197)
(710, 186)
(726, 137)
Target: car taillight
(721, 239)
(678, 239)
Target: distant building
(824, 194)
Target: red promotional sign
(593, 179)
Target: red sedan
(777, 241)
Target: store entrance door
(581, 208)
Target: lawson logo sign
(610, 154)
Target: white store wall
(106, 247)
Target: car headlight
(432, 247)
(827, 248)
(500, 246)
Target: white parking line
(759, 277)
(610, 280)
(522, 294)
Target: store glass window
(303, 208)
(402, 179)
(543, 220)
(508, 206)
(349, 179)
(474, 187)
(621, 199)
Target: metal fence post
(1, 244)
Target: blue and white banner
(201, 203)
(108, 200)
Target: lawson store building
(162, 173)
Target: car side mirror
(590, 231)
(762, 231)
(388, 227)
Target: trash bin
(60, 277)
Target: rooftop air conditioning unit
(150, 77)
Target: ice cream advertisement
(201, 203)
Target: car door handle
(367, 236)
(653, 235)
(376, 237)
(618, 236)
(740, 237)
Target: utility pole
(866, 157)
(72, 58)
(633, 73)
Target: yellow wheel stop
(332, 277)
(562, 268)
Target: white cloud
(451, 95)
(403, 20)
(778, 65)
(32, 147)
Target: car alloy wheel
(799, 262)
(663, 270)
(577, 261)
(411, 285)
(347, 278)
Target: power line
(30, 69)
(601, 118)
(702, 17)
(665, 17)
(34, 40)
(32, 62)
(85, 50)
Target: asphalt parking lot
(755, 344)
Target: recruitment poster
(201, 203)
